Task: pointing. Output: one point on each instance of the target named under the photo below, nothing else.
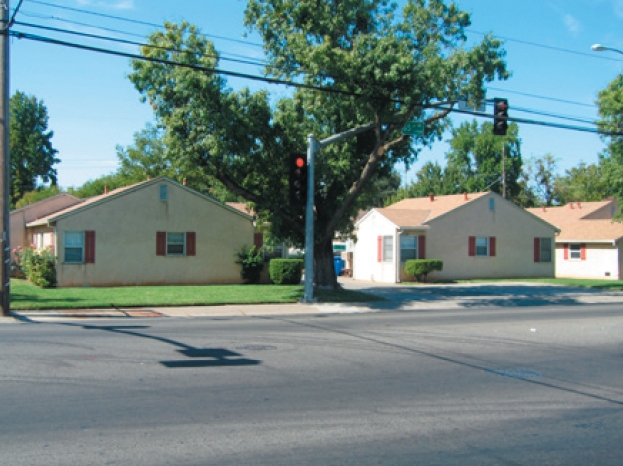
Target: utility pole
(503, 170)
(5, 166)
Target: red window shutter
(89, 247)
(583, 251)
(258, 240)
(421, 247)
(492, 246)
(191, 243)
(379, 249)
(566, 246)
(471, 246)
(161, 243)
(537, 249)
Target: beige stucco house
(19, 218)
(157, 232)
(478, 235)
(590, 242)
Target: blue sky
(93, 107)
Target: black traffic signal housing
(298, 180)
(500, 116)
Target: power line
(33, 37)
(127, 42)
(548, 47)
(134, 21)
(12, 20)
(129, 20)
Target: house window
(546, 249)
(74, 247)
(164, 192)
(176, 244)
(408, 248)
(388, 248)
(482, 246)
(575, 252)
(491, 204)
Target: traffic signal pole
(5, 299)
(313, 146)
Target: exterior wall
(601, 259)
(125, 240)
(365, 251)
(513, 228)
(18, 235)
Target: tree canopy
(32, 155)
(354, 63)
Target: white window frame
(575, 252)
(484, 243)
(173, 242)
(388, 248)
(408, 247)
(67, 236)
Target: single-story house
(157, 232)
(19, 218)
(479, 235)
(590, 242)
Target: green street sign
(413, 128)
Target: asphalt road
(471, 386)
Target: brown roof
(242, 207)
(575, 222)
(404, 217)
(435, 206)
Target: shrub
(420, 268)
(286, 271)
(39, 266)
(252, 263)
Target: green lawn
(25, 296)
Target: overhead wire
(269, 80)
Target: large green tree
(31, 153)
(364, 64)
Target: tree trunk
(324, 269)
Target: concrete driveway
(464, 296)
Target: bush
(252, 263)
(39, 266)
(286, 271)
(420, 268)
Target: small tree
(250, 258)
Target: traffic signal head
(298, 179)
(500, 116)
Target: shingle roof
(116, 192)
(576, 225)
(404, 217)
(435, 206)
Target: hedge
(285, 271)
(420, 268)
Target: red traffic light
(300, 162)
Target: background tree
(39, 194)
(32, 154)
(476, 158)
(582, 183)
(365, 64)
(539, 181)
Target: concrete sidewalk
(397, 297)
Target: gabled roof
(575, 222)
(116, 193)
(46, 201)
(417, 212)
(436, 206)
